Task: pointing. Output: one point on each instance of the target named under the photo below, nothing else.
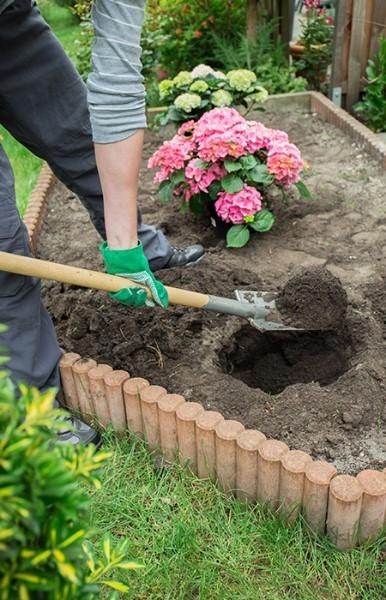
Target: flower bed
(321, 393)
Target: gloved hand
(133, 264)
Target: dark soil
(313, 299)
(322, 391)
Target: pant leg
(43, 103)
(30, 340)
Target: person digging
(94, 146)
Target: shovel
(258, 307)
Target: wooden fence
(358, 26)
(279, 10)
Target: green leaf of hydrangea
(178, 177)
(248, 162)
(264, 220)
(237, 236)
(232, 165)
(259, 174)
(303, 190)
(232, 184)
(166, 190)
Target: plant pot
(297, 49)
(316, 76)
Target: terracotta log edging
(352, 509)
(247, 446)
(227, 432)
(317, 477)
(37, 204)
(186, 417)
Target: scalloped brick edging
(37, 205)
(351, 510)
(351, 126)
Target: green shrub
(317, 32)
(82, 9)
(265, 57)
(177, 35)
(373, 105)
(44, 552)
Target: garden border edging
(37, 204)
(352, 510)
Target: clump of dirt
(313, 299)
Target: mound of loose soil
(322, 391)
(313, 299)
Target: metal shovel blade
(265, 303)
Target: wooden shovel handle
(43, 269)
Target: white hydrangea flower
(241, 79)
(187, 102)
(165, 87)
(199, 86)
(221, 98)
(182, 78)
(201, 71)
(259, 95)
(219, 75)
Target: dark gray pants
(43, 104)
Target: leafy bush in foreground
(44, 552)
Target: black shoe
(76, 431)
(190, 255)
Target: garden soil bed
(322, 392)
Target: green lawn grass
(197, 543)
(25, 165)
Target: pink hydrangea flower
(186, 127)
(163, 174)
(220, 134)
(276, 136)
(217, 120)
(217, 147)
(285, 163)
(204, 177)
(232, 208)
(172, 154)
(257, 136)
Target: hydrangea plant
(190, 94)
(225, 163)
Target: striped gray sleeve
(116, 93)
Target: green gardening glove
(133, 264)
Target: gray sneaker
(75, 431)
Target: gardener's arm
(118, 166)
(117, 110)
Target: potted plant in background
(312, 52)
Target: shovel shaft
(43, 269)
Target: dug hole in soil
(320, 391)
